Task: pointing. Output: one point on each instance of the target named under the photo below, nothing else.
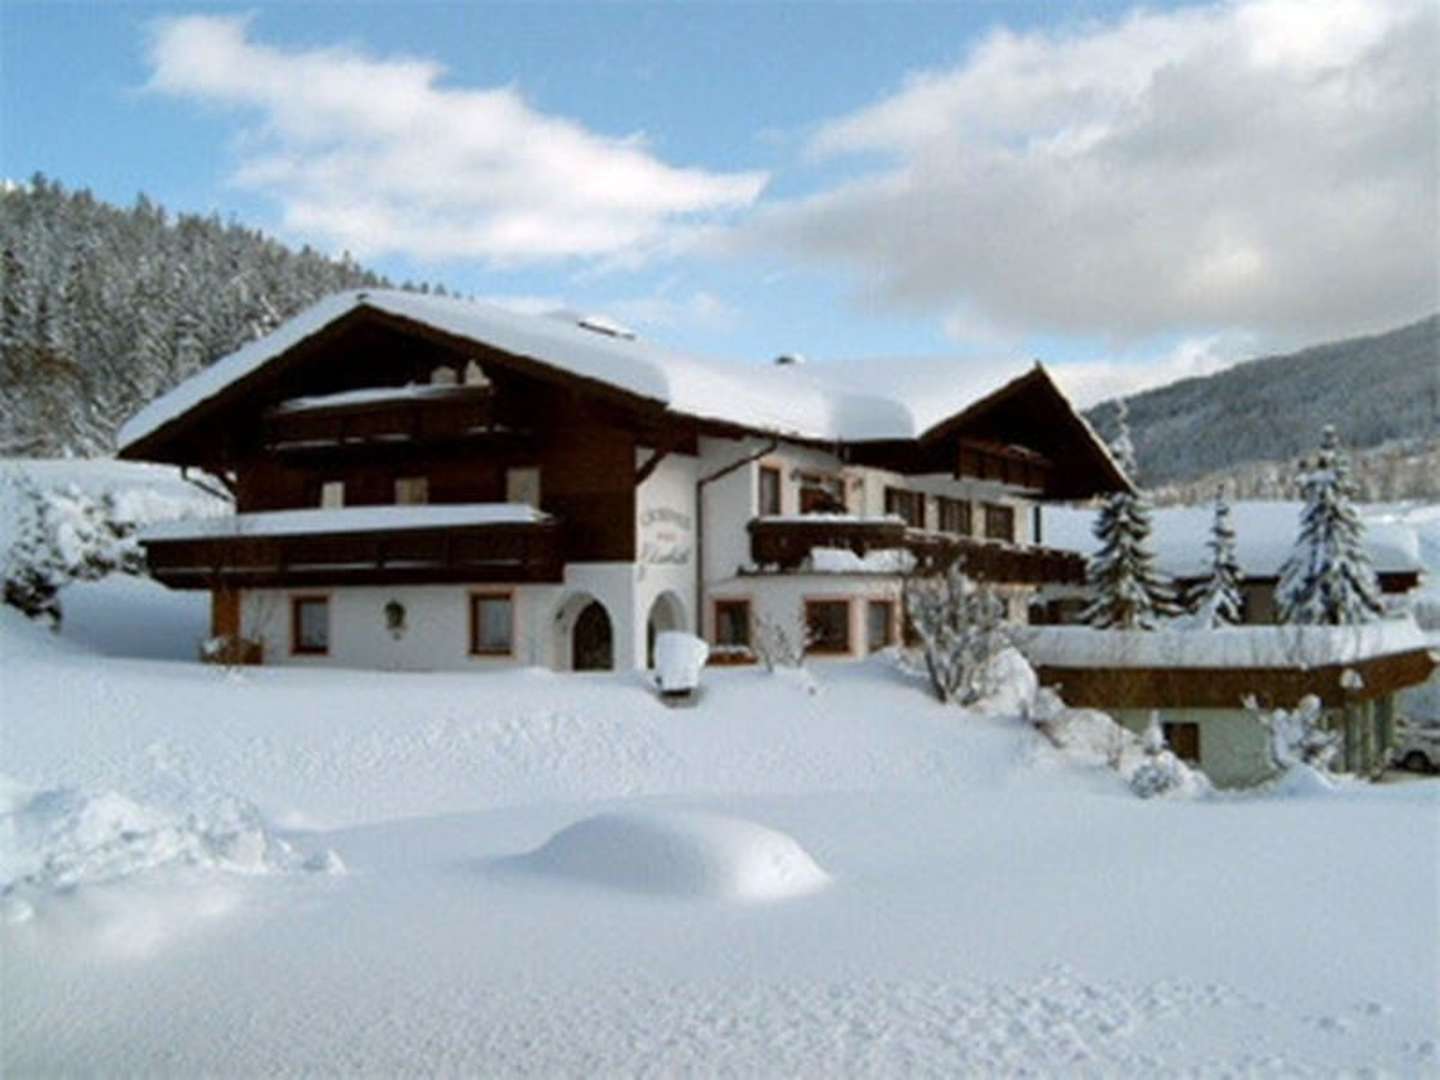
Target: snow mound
(1300, 782)
(681, 854)
(58, 839)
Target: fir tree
(1217, 600)
(1130, 592)
(1328, 578)
(102, 308)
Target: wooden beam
(652, 463)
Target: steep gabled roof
(811, 402)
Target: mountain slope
(1375, 390)
(103, 309)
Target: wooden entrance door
(592, 645)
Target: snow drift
(680, 854)
(58, 839)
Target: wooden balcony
(491, 552)
(994, 561)
(383, 416)
(786, 543)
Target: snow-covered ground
(284, 871)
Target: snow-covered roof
(825, 402)
(1264, 536)
(1227, 647)
(372, 395)
(346, 519)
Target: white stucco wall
(729, 504)
(780, 600)
(665, 524)
(437, 626)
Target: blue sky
(1130, 194)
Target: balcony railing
(225, 554)
(786, 543)
(380, 416)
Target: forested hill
(104, 308)
(1383, 389)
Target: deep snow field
(286, 871)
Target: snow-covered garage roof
(821, 402)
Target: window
(829, 624)
(955, 517)
(1184, 740)
(332, 494)
(412, 490)
(522, 486)
(732, 623)
(909, 506)
(492, 624)
(879, 624)
(769, 490)
(999, 522)
(821, 494)
(310, 625)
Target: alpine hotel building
(426, 483)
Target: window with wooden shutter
(1000, 523)
(955, 517)
(909, 506)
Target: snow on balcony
(347, 519)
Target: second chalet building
(424, 482)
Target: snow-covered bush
(34, 571)
(1296, 738)
(777, 645)
(59, 536)
(960, 624)
(1161, 773)
(1088, 737)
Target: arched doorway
(666, 613)
(592, 642)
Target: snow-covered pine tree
(1130, 592)
(1217, 601)
(1328, 578)
(34, 566)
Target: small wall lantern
(395, 619)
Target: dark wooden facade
(461, 439)
(786, 544)
(1226, 688)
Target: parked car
(1418, 749)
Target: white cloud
(378, 156)
(1262, 164)
(1088, 383)
(659, 309)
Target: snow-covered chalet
(425, 482)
